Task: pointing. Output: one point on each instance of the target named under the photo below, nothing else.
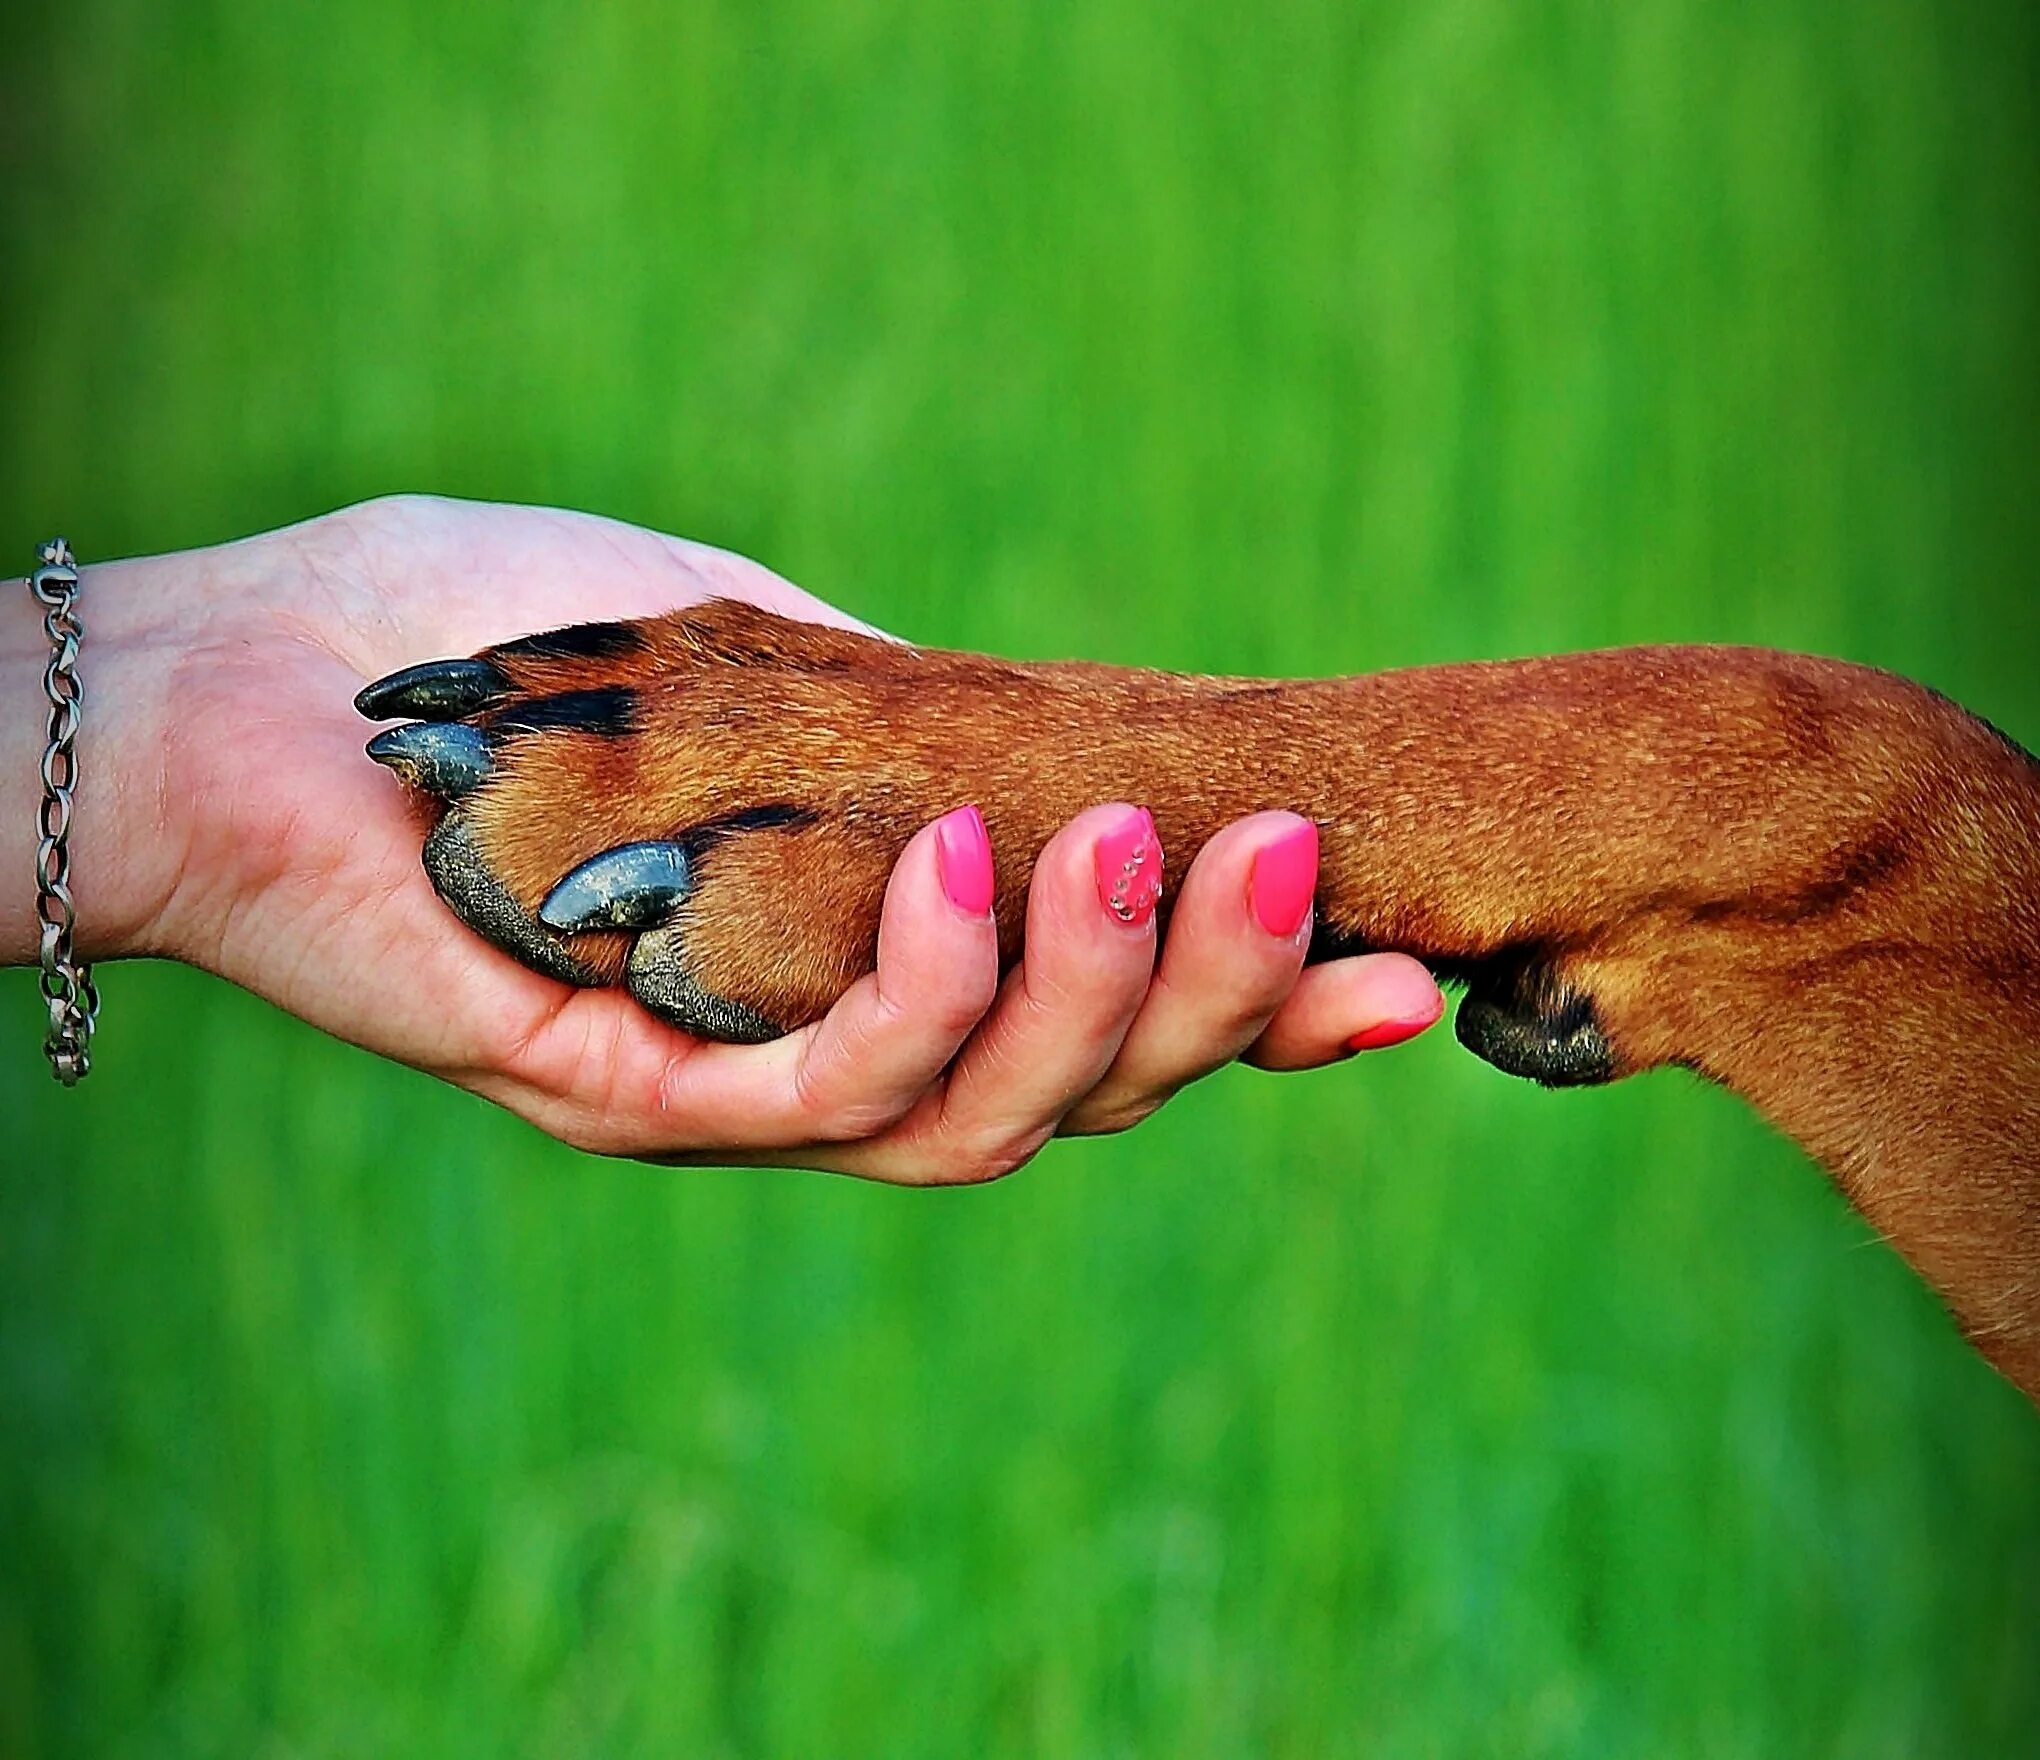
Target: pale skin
(226, 817)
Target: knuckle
(360, 519)
(1109, 1117)
(1252, 996)
(959, 1008)
(981, 1160)
(910, 1158)
(971, 1002)
(1236, 1029)
(836, 1112)
(905, 1168)
(393, 507)
(851, 1121)
(1216, 1008)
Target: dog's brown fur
(1816, 884)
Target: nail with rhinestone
(1129, 868)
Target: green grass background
(1399, 1409)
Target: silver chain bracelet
(66, 985)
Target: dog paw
(670, 805)
(1525, 1018)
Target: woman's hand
(227, 817)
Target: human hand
(234, 823)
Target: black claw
(440, 690)
(446, 758)
(634, 886)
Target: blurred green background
(1399, 1409)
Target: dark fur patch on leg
(1851, 871)
(580, 641)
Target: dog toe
(657, 975)
(461, 875)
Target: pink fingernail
(1283, 880)
(1386, 1033)
(1393, 1032)
(1129, 865)
(963, 856)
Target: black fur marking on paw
(578, 641)
(610, 712)
(1520, 1016)
(777, 816)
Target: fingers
(1060, 1018)
(1084, 1036)
(1237, 939)
(886, 1042)
(1362, 1004)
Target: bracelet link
(67, 985)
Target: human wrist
(125, 845)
